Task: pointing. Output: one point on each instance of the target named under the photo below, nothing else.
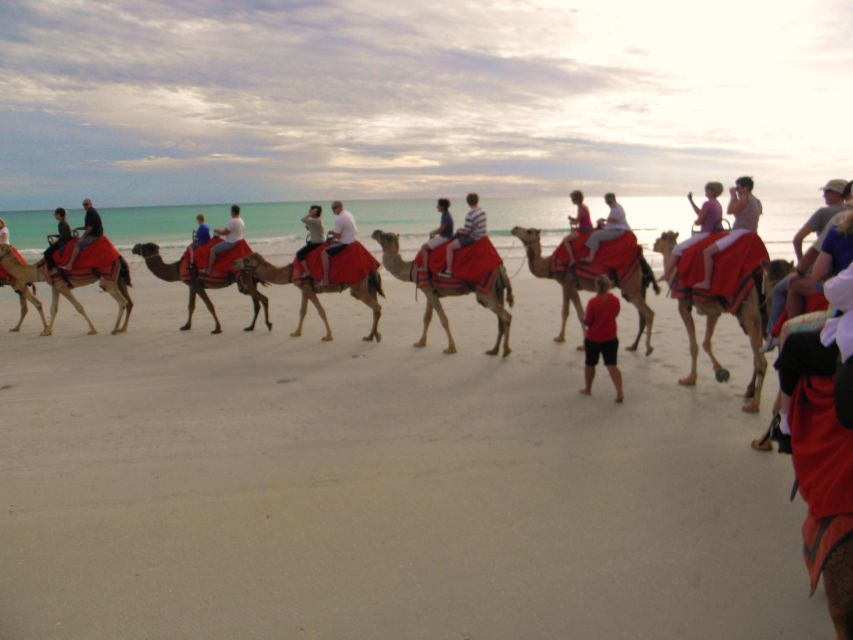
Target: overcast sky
(150, 102)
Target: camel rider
(313, 221)
(201, 236)
(58, 242)
(93, 228)
(614, 227)
(474, 229)
(344, 234)
(233, 233)
(438, 236)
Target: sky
(151, 102)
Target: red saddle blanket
(735, 270)
(223, 268)
(473, 266)
(823, 462)
(617, 259)
(100, 259)
(6, 277)
(347, 267)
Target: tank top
(748, 218)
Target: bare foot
(585, 392)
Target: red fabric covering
(617, 259)
(823, 462)
(223, 269)
(6, 277)
(820, 537)
(734, 271)
(348, 267)
(474, 266)
(99, 260)
(823, 449)
(816, 302)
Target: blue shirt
(202, 235)
(840, 248)
(447, 221)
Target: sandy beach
(169, 485)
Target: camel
(367, 290)
(170, 272)
(118, 289)
(493, 299)
(750, 316)
(24, 294)
(633, 289)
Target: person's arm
(822, 267)
(699, 212)
(804, 231)
(437, 232)
(807, 261)
(736, 204)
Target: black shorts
(465, 240)
(335, 249)
(308, 248)
(606, 349)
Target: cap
(838, 185)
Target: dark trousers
(308, 248)
(48, 254)
(804, 355)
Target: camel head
(666, 242)
(775, 271)
(146, 250)
(249, 262)
(389, 242)
(527, 236)
(5, 250)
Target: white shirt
(839, 292)
(236, 230)
(617, 218)
(345, 226)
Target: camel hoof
(327, 338)
(186, 327)
(252, 328)
(296, 334)
(633, 347)
(722, 375)
(420, 344)
(450, 350)
(378, 337)
(749, 394)
(507, 352)
(750, 408)
(216, 330)
(15, 329)
(762, 445)
(367, 339)
(492, 352)
(47, 333)
(649, 351)
(687, 382)
(269, 326)
(92, 332)
(560, 339)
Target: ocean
(274, 228)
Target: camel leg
(364, 295)
(561, 337)
(112, 289)
(427, 319)
(838, 584)
(303, 309)
(504, 322)
(36, 303)
(265, 301)
(202, 293)
(256, 309)
(23, 300)
(79, 307)
(633, 346)
(445, 323)
(687, 319)
(635, 298)
(123, 288)
(753, 326)
(720, 372)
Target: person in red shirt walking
(600, 339)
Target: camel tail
(124, 271)
(374, 281)
(648, 278)
(507, 286)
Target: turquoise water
(275, 229)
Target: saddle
(223, 270)
(474, 267)
(348, 267)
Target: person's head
(443, 204)
(2, 223)
(833, 191)
(713, 189)
(87, 204)
(60, 214)
(200, 218)
(337, 207)
(472, 199)
(847, 190)
(610, 199)
(576, 196)
(235, 210)
(602, 284)
(845, 227)
(745, 183)
(315, 211)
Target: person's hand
(690, 196)
(733, 190)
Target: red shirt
(601, 312)
(584, 219)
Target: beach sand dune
(167, 484)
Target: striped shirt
(475, 222)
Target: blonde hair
(2, 223)
(715, 187)
(845, 227)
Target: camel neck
(169, 272)
(267, 272)
(24, 272)
(397, 267)
(538, 266)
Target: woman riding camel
(709, 218)
(582, 223)
(746, 209)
